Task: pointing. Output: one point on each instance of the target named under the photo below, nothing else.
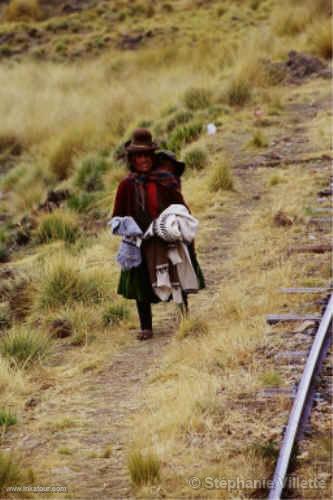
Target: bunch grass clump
(143, 469)
(27, 183)
(115, 313)
(81, 202)
(9, 180)
(221, 178)
(62, 152)
(179, 118)
(275, 179)
(7, 418)
(10, 472)
(90, 172)
(23, 346)
(59, 225)
(192, 327)
(197, 98)
(11, 379)
(183, 135)
(196, 158)
(24, 10)
(259, 140)
(239, 91)
(321, 38)
(271, 378)
(63, 282)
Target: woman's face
(142, 161)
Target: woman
(143, 195)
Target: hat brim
(179, 165)
(136, 148)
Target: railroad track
(310, 387)
(304, 398)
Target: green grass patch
(89, 174)
(184, 134)
(81, 202)
(271, 379)
(179, 118)
(268, 450)
(115, 313)
(7, 418)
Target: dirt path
(98, 406)
(102, 403)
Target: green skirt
(135, 284)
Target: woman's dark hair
(130, 163)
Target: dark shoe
(145, 334)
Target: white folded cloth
(175, 223)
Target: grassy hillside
(75, 79)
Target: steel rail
(300, 402)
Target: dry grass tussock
(12, 382)
(24, 345)
(24, 10)
(59, 225)
(182, 398)
(66, 279)
(320, 36)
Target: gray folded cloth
(129, 254)
(124, 226)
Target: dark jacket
(126, 202)
(132, 283)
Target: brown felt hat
(141, 141)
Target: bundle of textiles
(164, 246)
(129, 254)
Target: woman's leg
(184, 309)
(185, 299)
(145, 314)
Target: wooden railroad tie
(318, 220)
(272, 319)
(307, 290)
(323, 248)
(323, 209)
